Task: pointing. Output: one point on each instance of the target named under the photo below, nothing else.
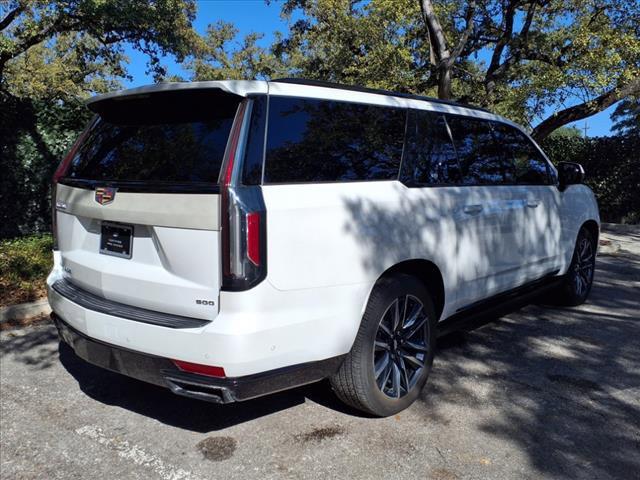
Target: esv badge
(105, 195)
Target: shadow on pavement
(195, 415)
(563, 385)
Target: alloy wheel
(584, 266)
(401, 346)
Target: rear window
(167, 140)
(312, 140)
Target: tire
(578, 280)
(402, 356)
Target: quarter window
(480, 156)
(311, 140)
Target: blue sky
(256, 16)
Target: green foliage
(53, 55)
(567, 132)
(626, 117)
(35, 136)
(612, 170)
(24, 266)
(85, 39)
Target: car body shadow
(159, 403)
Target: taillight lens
(253, 238)
(243, 222)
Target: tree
(521, 58)
(52, 56)
(626, 117)
(586, 52)
(98, 29)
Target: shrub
(24, 266)
(612, 169)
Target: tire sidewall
(574, 297)
(397, 286)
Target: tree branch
(504, 39)
(584, 110)
(436, 34)
(471, 10)
(6, 21)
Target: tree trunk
(444, 82)
(439, 50)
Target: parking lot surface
(538, 393)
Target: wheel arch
(593, 228)
(427, 273)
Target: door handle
(532, 203)
(472, 209)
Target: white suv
(235, 238)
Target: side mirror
(570, 173)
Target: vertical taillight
(243, 219)
(60, 172)
(253, 238)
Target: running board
(478, 313)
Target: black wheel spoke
(401, 346)
(395, 380)
(420, 323)
(383, 328)
(413, 317)
(413, 360)
(382, 364)
(405, 374)
(396, 315)
(416, 347)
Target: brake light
(243, 221)
(253, 237)
(60, 172)
(207, 370)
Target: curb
(24, 311)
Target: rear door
(137, 211)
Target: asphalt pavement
(541, 392)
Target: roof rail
(379, 91)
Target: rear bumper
(161, 371)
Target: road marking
(135, 454)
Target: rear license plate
(116, 240)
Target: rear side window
(527, 165)
(480, 156)
(311, 140)
(168, 139)
(430, 158)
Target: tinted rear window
(312, 140)
(480, 156)
(166, 138)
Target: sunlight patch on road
(135, 454)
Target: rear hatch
(137, 208)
